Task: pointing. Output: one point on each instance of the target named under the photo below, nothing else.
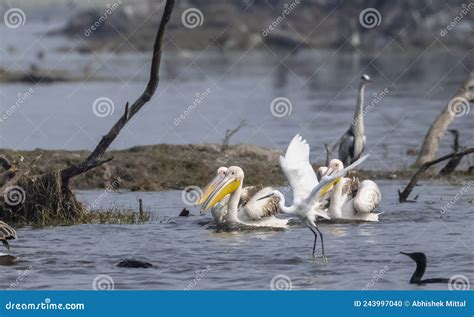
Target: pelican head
(321, 171)
(366, 78)
(232, 180)
(335, 166)
(212, 185)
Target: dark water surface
(185, 252)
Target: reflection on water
(71, 257)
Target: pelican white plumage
(257, 213)
(219, 210)
(360, 207)
(307, 202)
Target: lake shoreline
(172, 166)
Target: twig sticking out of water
(402, 196)
(453, 162)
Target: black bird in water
(416, 278)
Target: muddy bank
(164, 166)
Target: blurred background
(67, 68)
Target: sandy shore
(164, 166)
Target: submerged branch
(402, 196)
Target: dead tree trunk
(458, 105)
(402, 196)
(49, 195)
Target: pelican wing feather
(256, 209)
(297, 168)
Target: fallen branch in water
(402, 196)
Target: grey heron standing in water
(352, 143)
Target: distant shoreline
(167, 166)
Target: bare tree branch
(93, 160)
(229, 133)
(402, 196)
(453, 162)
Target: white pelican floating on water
(307, 201)
(361, 207)
(219, 210)
(253, 212)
